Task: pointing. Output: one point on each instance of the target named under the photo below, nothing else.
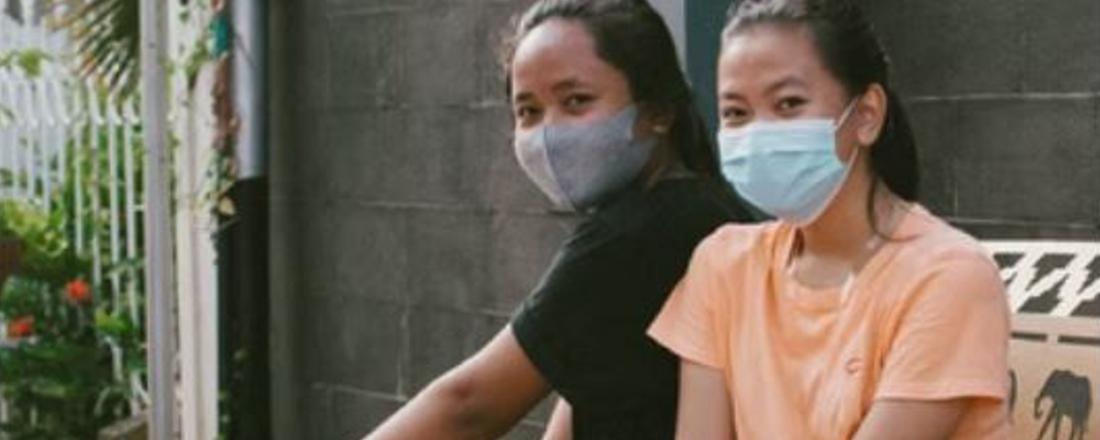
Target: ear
(870, 115)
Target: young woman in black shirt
(604, 124)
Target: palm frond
(106, 34)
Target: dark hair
(852, 52)
(632, 37)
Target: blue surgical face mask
(789, 169)
(580, 166)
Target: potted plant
(57, 371)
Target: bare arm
(912, 420)
(560, 426)
(481, 398)
(705, 407)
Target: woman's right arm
(481, 398)
(705, 407)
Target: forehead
(557, 50)
(764, 54)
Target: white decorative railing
(63, 132)
(59, 131)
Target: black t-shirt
(584, 326)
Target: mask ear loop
(848, 110)
(849, 283)
(855, 153)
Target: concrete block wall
(1005, 98)
(404, 235)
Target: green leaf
(6, 114)
(51, 388)
(110, 325)
(31, 61)
(106, 33)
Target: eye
(576, 101)
(734, 116)
(526, 115)
(524, 111)
(787, 105)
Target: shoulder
(931, 242)
(696, 203)
(708, 296)
(945, 264)
(738, 245)
(689, 208)
(700, 196)
(693, 208)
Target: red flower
(21, 327)
(78, 291)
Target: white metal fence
(62, 137)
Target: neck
(663, 161)
(845, 232)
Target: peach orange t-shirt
(925, 319)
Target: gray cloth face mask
(579, 166)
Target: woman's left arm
(948, 356)
(560, 426)
(912, 420)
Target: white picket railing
(50, 124)
(59, 121)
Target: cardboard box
(1054, 290)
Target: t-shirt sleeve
(951, 341)
(687, 323)
(551, 325)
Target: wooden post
(11, 252)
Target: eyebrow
(560, 87)
(523, 96)
(567, 84)
(787, 81)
